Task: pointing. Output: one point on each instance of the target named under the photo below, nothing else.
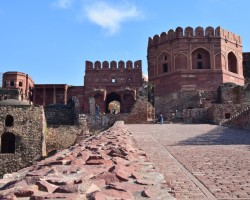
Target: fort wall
(22, 136)
(105, 82)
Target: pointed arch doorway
(113, 103)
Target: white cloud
(109, 16)
(64, 4)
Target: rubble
(107, 166)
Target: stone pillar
(92, 105)
(27, 86)
(65, 95)
(54, 94)
(44, 95)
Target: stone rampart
(59, 116)
(239, 120)
(22, 133)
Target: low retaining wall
(239, 120)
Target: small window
(165, 58)
(199, 56)
(165, 68)
(12, 83)
(199, 65)
(9, 120)
(227, 115)
(20, 84)
(113, 80)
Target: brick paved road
(199, 161)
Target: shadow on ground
(220, 136)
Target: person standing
(161, 119)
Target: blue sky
(51, 39)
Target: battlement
(113, 65)
(198, 32)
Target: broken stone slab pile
(104, 167)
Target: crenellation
(105, 65)
(189, 31)
(199, 31)
(138, 64)
(129, 64)
(179, 31)
(89, 65)
(193, 33)
(97, 65)
(113, 64)
(209, 31)
(121, 64)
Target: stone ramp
(199, 161)
(108, 166)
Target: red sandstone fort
(180, 60)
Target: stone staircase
(239, 120)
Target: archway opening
(8, 143)
(9, 120)
(114, 107)
(200, 59)
(113, 103)
(232, 63)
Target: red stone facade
(107, 82)
(194, 59)
(103, 83)
(21, 81)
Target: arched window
(9, 120)
(232, 63)
(200, 59)
(8, 141)
(164, 63)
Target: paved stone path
(199, 161)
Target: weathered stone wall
(142, 112)
(178, 101)
(219, 112)
(61, 137)
(59, 116)
(196, 115)
(28, 129)
(246, 66)
(230, 93)
(240, 120)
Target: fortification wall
(198, 32)
(239, 120)
(59, 115)
(22, 137)
(142, 112)
(112, 74)
(176, 102)
(219, 112)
